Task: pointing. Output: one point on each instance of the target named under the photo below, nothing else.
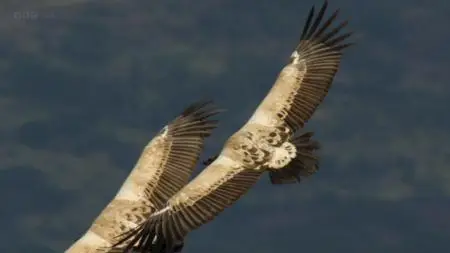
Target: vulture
(164, 167)
(268, 142)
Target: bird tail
(178, 247)
(303, 165)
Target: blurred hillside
(85, 84)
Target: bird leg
(210, 160)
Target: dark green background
(85, 84)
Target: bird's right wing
(304, 81)
(221, 184)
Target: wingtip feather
(317, 31)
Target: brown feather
(303, 83)
(182, 146)
(296, 94)
(195, 205)
(164, 167)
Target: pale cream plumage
(265, 143)
(164, 166)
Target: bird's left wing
(304, 81)
(163, 168)
(176, 152)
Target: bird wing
(168, 161)
(163, 168)
(304, 81)
(217, 187)
(182, 145)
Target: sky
(85, 84)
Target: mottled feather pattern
(253, 145)
(217, 187)
(305, 164)
(194, 205)
(273, 137)
(117, 217)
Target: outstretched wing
(183, 142)
(216, 188)
(168, 161)
(164, 167)
(304, 82)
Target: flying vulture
(163, 168)
(267, 142)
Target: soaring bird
(267, 142)
(164, 166)
(304, 165)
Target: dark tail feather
(305, 164)
(178, 247)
